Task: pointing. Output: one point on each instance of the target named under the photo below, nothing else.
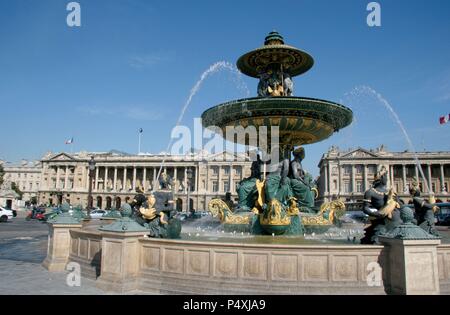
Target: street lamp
(91, 175)
(189, 177)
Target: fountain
(281, 200)
(276, 240)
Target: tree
(2, 173)
(17, 190)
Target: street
(23, 246)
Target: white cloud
(148, 60)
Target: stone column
(115, 179)
(120, 261)
(430, 187)
(353, 179)
(105, 185)
(66, 178)
(97, 172)
(144, 179)
(124, 184)
(155, 184)
(326, 179)
(442, 179)
(58, 248)
(231, 182)
(405, 188)
(220, 179)
(413, 266)
(366, 182)
(175, 177)
(391, 175)
(185, 181)
(58, 173)
(207, 178)
(196, 179)
(134, 178)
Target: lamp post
(189, 177)
(91, 175)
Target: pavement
(23, 247)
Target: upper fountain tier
(275, 54)
(300, 120)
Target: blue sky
(132, 64)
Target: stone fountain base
(124, 262)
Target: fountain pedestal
(120, 261)
(413, 266)
(59, 246)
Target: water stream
(214, 68)
(366, 90)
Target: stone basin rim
(258, 246)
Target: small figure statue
(301, 182)
(165, 181)
(382, 207)
(288, 85)
(424, 211)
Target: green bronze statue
(301, 182)
(247, 190)
(383, 208)
(424, 211)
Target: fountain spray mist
(214, 68)
(363, 89)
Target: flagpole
(139, 149)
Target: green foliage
(17, 190)
(2, 173)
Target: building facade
(116, 177)
(26, 175)
(348, 174)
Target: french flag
(70, 141)
(444, 119)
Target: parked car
(97, 214)
(5, 214)
(443, 214)
(354, 217)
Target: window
(226, 186)
(347, 169)
(433, 186)
(31, 186)
(215, 170)
(215, 186)
(347, 186)
(359, 186)
(410, 171)
(372, 169)
(359, 169)
(446, 187)
(238, 171)
(334, 184)
(227, 171)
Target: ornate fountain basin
(301, 120)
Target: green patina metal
(408, 230)
(64, 217)
(124, 223)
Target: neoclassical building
(26, 175)
(117, 175)
(348, 174)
